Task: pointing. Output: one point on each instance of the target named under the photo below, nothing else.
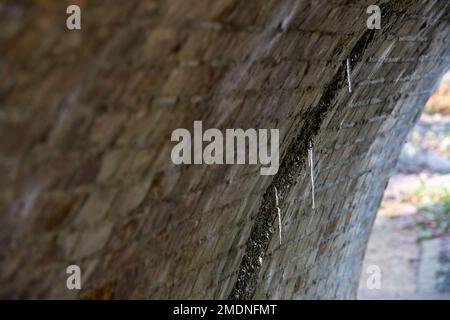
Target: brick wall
(85, 124)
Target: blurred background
(410, 242)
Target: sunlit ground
(410, 242)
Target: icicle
(278, 212)
(311, 166)
(349, 75)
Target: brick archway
(86, 118)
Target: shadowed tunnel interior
(86, 118)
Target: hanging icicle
(349, 75)
(311, 166)
(278, 212)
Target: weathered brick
(86, 119)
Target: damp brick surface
(85, 124)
